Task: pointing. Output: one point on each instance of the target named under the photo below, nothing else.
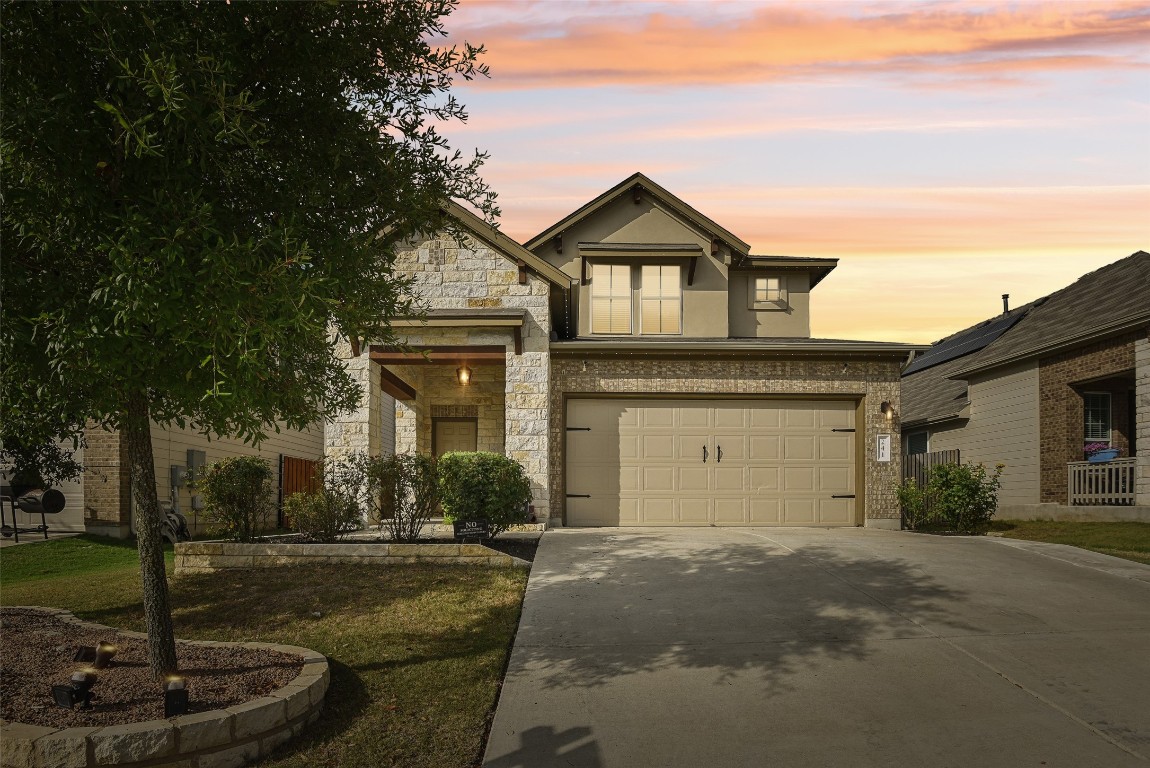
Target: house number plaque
(883, 451)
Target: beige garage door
(723, 462)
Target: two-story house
(644, 366)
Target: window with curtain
(1096, 417)
(661, 299)
(610, 298)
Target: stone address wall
(222, 738)
(211, 556)
(873, 380)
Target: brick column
(1142, 420)
(107, 484)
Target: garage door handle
(704, 454)
(578, 495)
(719, 455)
(843, 496)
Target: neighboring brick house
(643, 366)
(1031, 387)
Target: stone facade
(469, 275)
(1142, 419)
(872, 382)
(1108, 365)
(360, 430)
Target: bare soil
(38, 652)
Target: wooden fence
(917, 465)
(296, 476)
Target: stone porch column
(362, 429)
(528, 414)
(1142, 420)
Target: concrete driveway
(806, 647)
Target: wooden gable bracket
(522, 271)
(637, 194)
(714, 246)
(517, 332)
(583, 271)
(395, 386)
(691, 271)
(557, 241)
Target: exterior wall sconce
(887, 409)
(464, 375)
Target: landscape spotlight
(175, 697)
(99, 657)
(77, 693)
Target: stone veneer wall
(210, 556)
(1060, 405)
(1142, 419)
(221, 738)
(873, 380)
(469, 275)
(440, 391)
(362, 429)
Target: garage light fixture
(175, 697)
(464, 375)
(887, 409)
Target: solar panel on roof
(965, 343)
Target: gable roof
(1105, 302)
(665, 197)
(509, 247)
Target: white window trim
(782, 302)
(642, 297)
(1109, 439)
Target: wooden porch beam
(395, 386)
(447, 355)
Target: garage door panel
(642, 462)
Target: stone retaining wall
(222, 738)
(210, 556)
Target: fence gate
(296, 476)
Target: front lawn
(1130, 541)
(417, 652)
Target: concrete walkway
(807, 647)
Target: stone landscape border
(221, 738)
(209, 556)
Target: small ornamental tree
(195, 195)
(482, 485)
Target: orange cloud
(799, 41)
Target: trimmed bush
(333, 510)
(957, 497)
(482, 485)
(402, 492)
(238, 496)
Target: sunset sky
(946, 152)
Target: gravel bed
(38, 651)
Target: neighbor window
(1096, 417)
(610, 298)
(768, 293)
(661, 299)
(917, 442)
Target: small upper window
(661, 299)
(768, 293)
(1096, 417)
(610, 298)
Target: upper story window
(610, 298)
(768, 293)
(1096, 417)
(661, 299)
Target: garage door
(728, 462)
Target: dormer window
(661, 299)
(768, 293)
(611, 298)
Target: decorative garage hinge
(578, 495)
(842, 430)
(578, 429)
(842, 496)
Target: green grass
(74, 556)
(1130, 541)
(417, 652)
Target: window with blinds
(610, 298)
(1096, 414)
(768, 293)
(661, 299)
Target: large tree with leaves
(198, 199)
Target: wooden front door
(454, 434)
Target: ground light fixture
(464, 375)
(77, 692)
(99, 657)
(175, 697)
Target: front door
(454, 435)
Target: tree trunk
(149, 538)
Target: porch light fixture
(175, 697)
(887, 409)
(77, 693)
(464, 375)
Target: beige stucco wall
(470, 275)
(622, 221)
(868, 381)
(1002, 429)
(792, 322)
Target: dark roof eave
(737, 346)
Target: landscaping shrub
(333, 510)
(481, 485)
(957, 497)
(238, 496)
(402, 492)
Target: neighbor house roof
(1105, 302)
(509, 247)
(666, 198)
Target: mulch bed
(524, 549)
(38, 651)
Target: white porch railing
(1107, 483)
